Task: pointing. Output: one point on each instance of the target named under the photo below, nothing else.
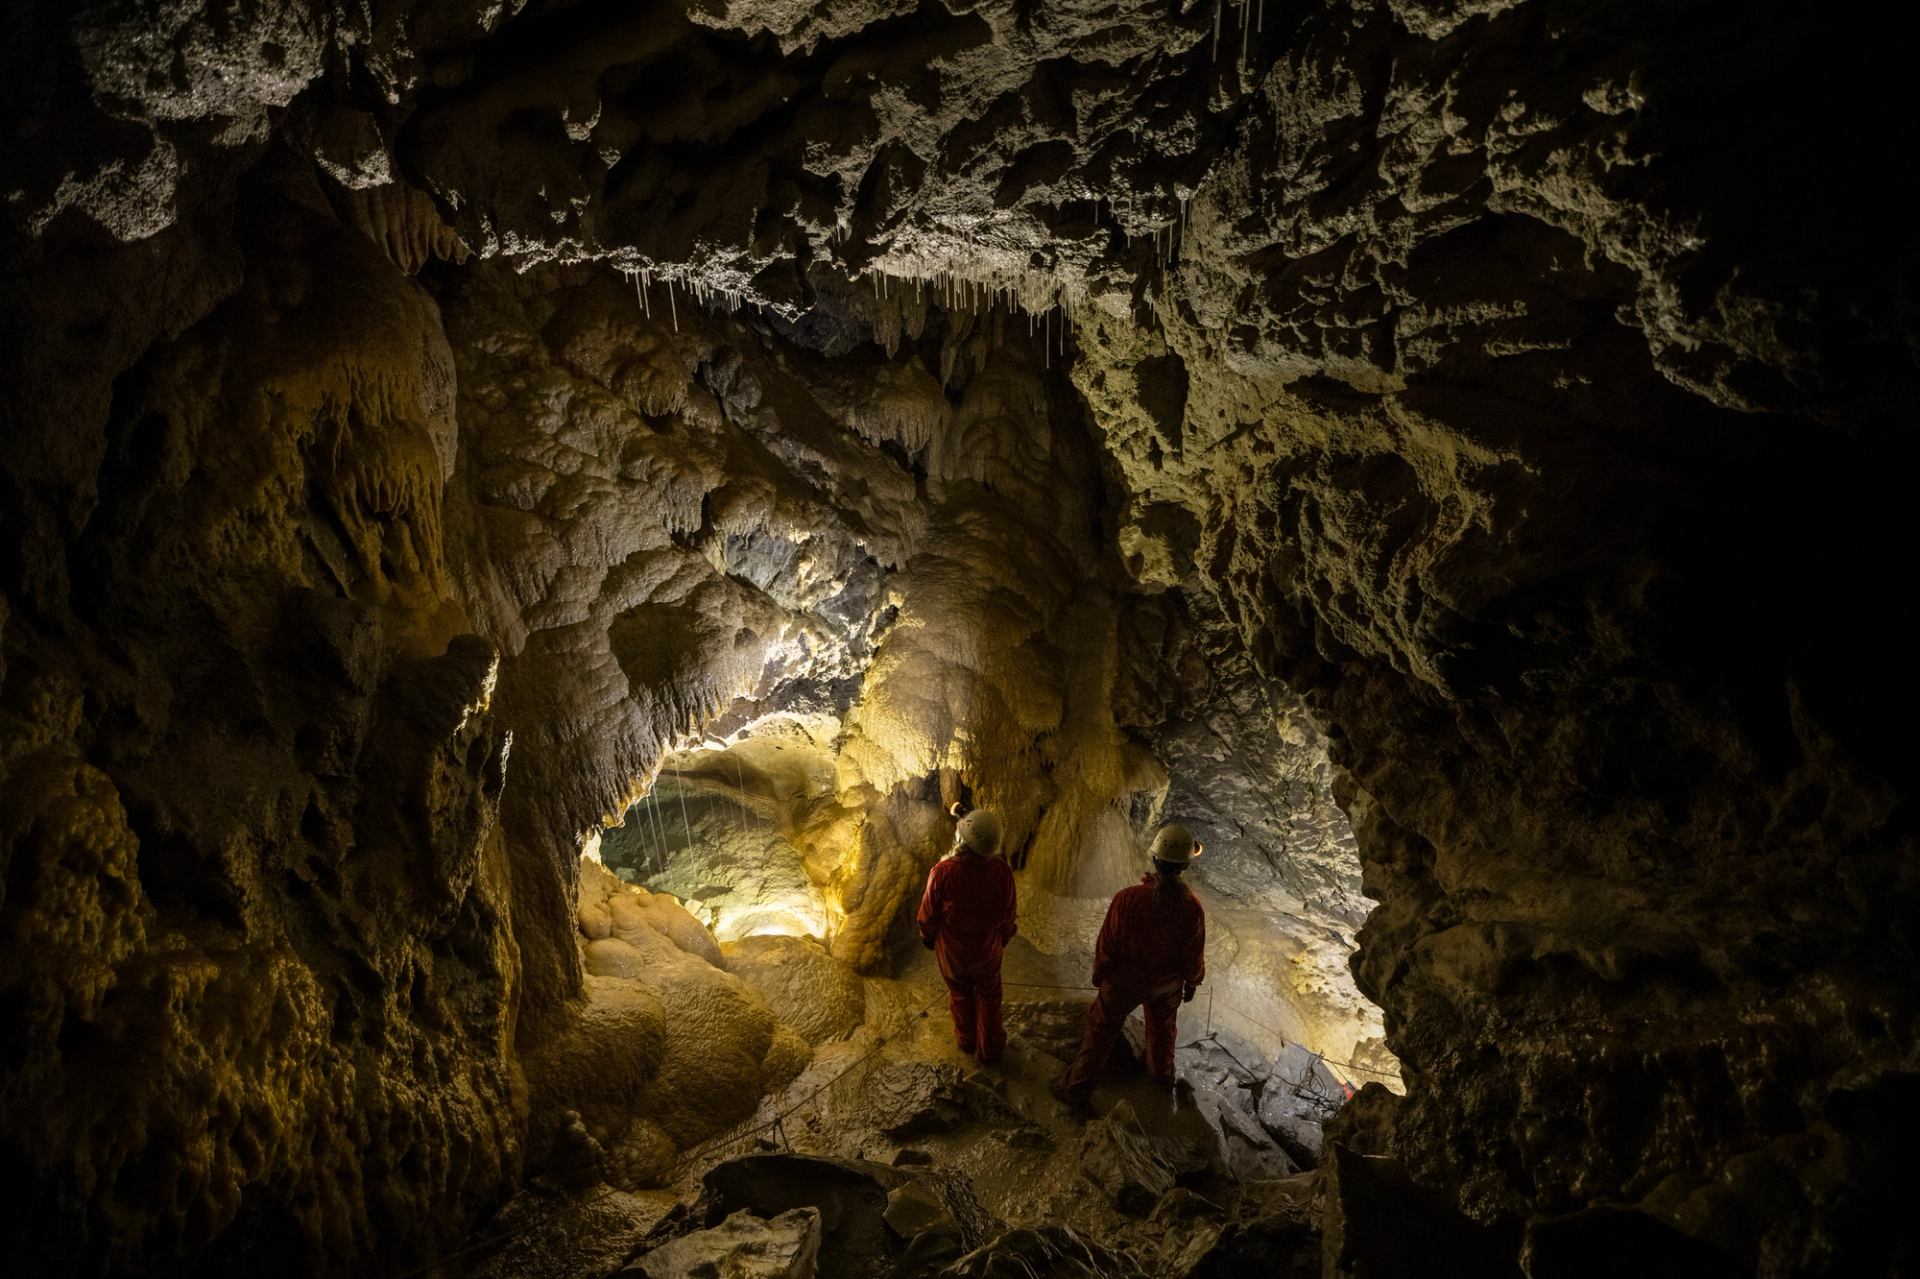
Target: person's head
(977, 830)
(1174, 849)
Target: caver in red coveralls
(1151, 953)
(967, 917)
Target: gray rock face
(1117, 1155)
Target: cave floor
(896, 1091)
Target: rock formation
(1447, 450)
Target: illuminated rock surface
(1451, 452)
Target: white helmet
(1176, 844)
(978, 828)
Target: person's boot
(1074, 1102)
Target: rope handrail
(1238, 1012)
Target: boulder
(1181, 1204)
(850, 1196)
(1187, 1228)
(1300, 1137)
(923, 1098)
(917, 1207)
(1300, 1095)
(929, 1254)
(1117, 1156)
(742, 1246)
(1242, 1148)
(974, 1223)
(611, 1048)
(929, 1097)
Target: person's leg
(960, 1004)
(986, 999)
(1162, 1013)
(1106, 1018)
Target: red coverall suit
(967, 916)
(1151, 952)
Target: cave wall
(1522, 382)
(392, 577)
(256, 918)
(1551, 466)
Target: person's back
(972, 891)
(1156, 933)
(1151, 955)
(967, 916)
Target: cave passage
(520, 521)
(715, 831)
(711, 832)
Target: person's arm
(929, 917)
(1010, 919)
(1196, 957)
(1103, 948)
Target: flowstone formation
(1464, 434)
(256, 920)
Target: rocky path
(892, 1137)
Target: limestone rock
(804, 985)
(279, 883)
(714, 1070)
(741, 1247)
(611, 1049)
(562, 1239)
(1611, 1240)
(643, 1155)
(787, 1055)
(1300, 1095)
(914, 1208)
(1099, 410)
(849, 1198)
(920, 1098)
(1117, 1156)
